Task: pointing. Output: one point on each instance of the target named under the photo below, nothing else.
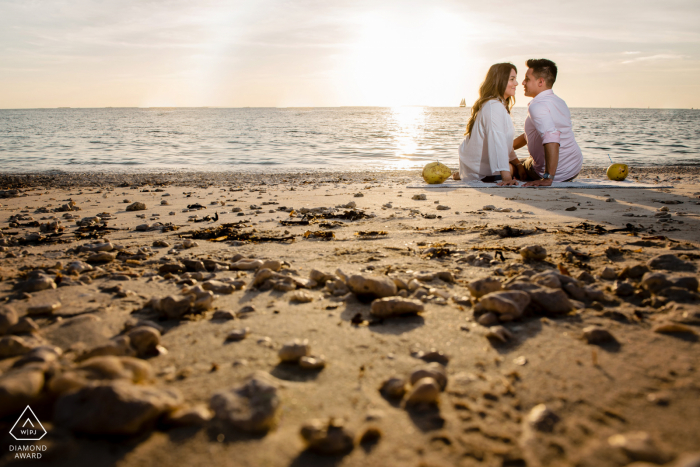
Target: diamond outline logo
(30, 422)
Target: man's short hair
(543, 68)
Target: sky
(327, 53)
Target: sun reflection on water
(408, 126)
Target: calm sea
(271, 139)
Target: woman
(488, 144)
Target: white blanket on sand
(578, 183)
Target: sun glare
(411, 60)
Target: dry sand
(630, 398)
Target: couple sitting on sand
(488, 150)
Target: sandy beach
(318, 319)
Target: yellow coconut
(618, 172)
(435, 173)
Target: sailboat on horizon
(463, 103)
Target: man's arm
(551, 162)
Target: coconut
(436, 173)
(618, 172)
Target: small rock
(433, 370)
(115, 409)
(623, 289)
(43, 309)
(673, 328)
(312, 363)
(377, 286)
(12, 346)
(420, 197)
(294, 350)
(18, 388)
(533, 253)
(654, 282)
(424, 391)
(223, 315)
(301, 296)
(103, 257)
(639, 446)
(219, 287)
(145, 340)
(394, 387)
(488, 319)
(597, 335)
(541, 418)
(481, 287)
(608, 273)
(37, 281)
(552, 301)
(251, 407)
(508, 305)
(331, 438)
(238, 334)
(188, 416)
(670, 262)
(395, 306)
(136, 207)
(172, 307)
(441, 207)
(499, 333)
(8, 318)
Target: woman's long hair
(493, 87)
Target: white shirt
(490, 146)
(549, 121)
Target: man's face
(532, 85)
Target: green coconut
(436, 173)
(618, 172)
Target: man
(554, 154)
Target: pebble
(499, 333)
(670, 262)
(395, 306)
(251, 407)
(103, 368)
(533, 253)
(294, 350)
(43, 309)
(673, 328)
(394, 387)
(103, 257)
(420, 197)
(301, 296)
(312, 363)
(541, 418)
(219, 287)
(12, 346)
(488, 319)
(114, 409)
(608, 273)
(441, 207)
(424, 391)
(238, 334)
(328, 438)
(551, 301)
(37, 281)
(145, 340)
(639, 446)
(18, 388)
(137, 206)
(432, 370)
(223, 315)
(198, 415)
(623, 289)
(481, 287)
(508, 305)
(597, 335)
(377, 286)
(8, 318)
(172, 307)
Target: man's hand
(511, 182)
(543, 182)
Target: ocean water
(292, 139)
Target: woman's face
(512, 84)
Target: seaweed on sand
(226, 232)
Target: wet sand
(528, 327)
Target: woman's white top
(490, 146)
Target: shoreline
(96, 178)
